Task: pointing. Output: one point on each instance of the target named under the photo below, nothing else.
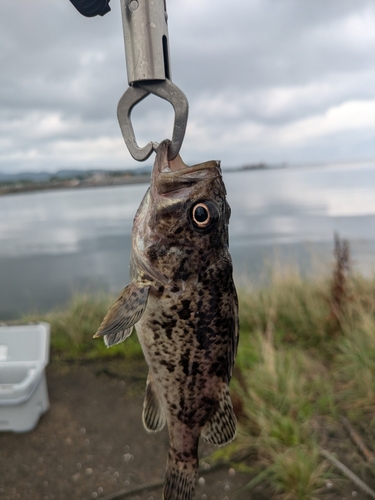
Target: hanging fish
(183, 302)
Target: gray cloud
(260, 77)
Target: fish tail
(180, 479)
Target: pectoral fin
(221, 429)
(153, 413)
(123, 315)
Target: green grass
(302, 363)
(306, 357)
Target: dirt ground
(92, 444)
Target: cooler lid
(24, 344)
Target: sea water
(55, 243)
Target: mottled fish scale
(184, 303)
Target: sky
(267, 81)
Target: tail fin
(180, 479)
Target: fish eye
(203, 214)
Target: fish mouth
(174, 175)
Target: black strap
(92, 8)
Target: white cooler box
(24, 354)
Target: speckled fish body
(183, 301)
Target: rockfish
(183, 302)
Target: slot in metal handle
(146, 40)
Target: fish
(183, 302)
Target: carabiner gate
(135, 94)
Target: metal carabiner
(148, 69)
(135, 94)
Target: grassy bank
(304, 382)
(307, 359)
(304, 379)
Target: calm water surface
(56, 242)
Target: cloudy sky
(267, 80)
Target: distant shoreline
(27, 187)
(93, 179)
(75, 179)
